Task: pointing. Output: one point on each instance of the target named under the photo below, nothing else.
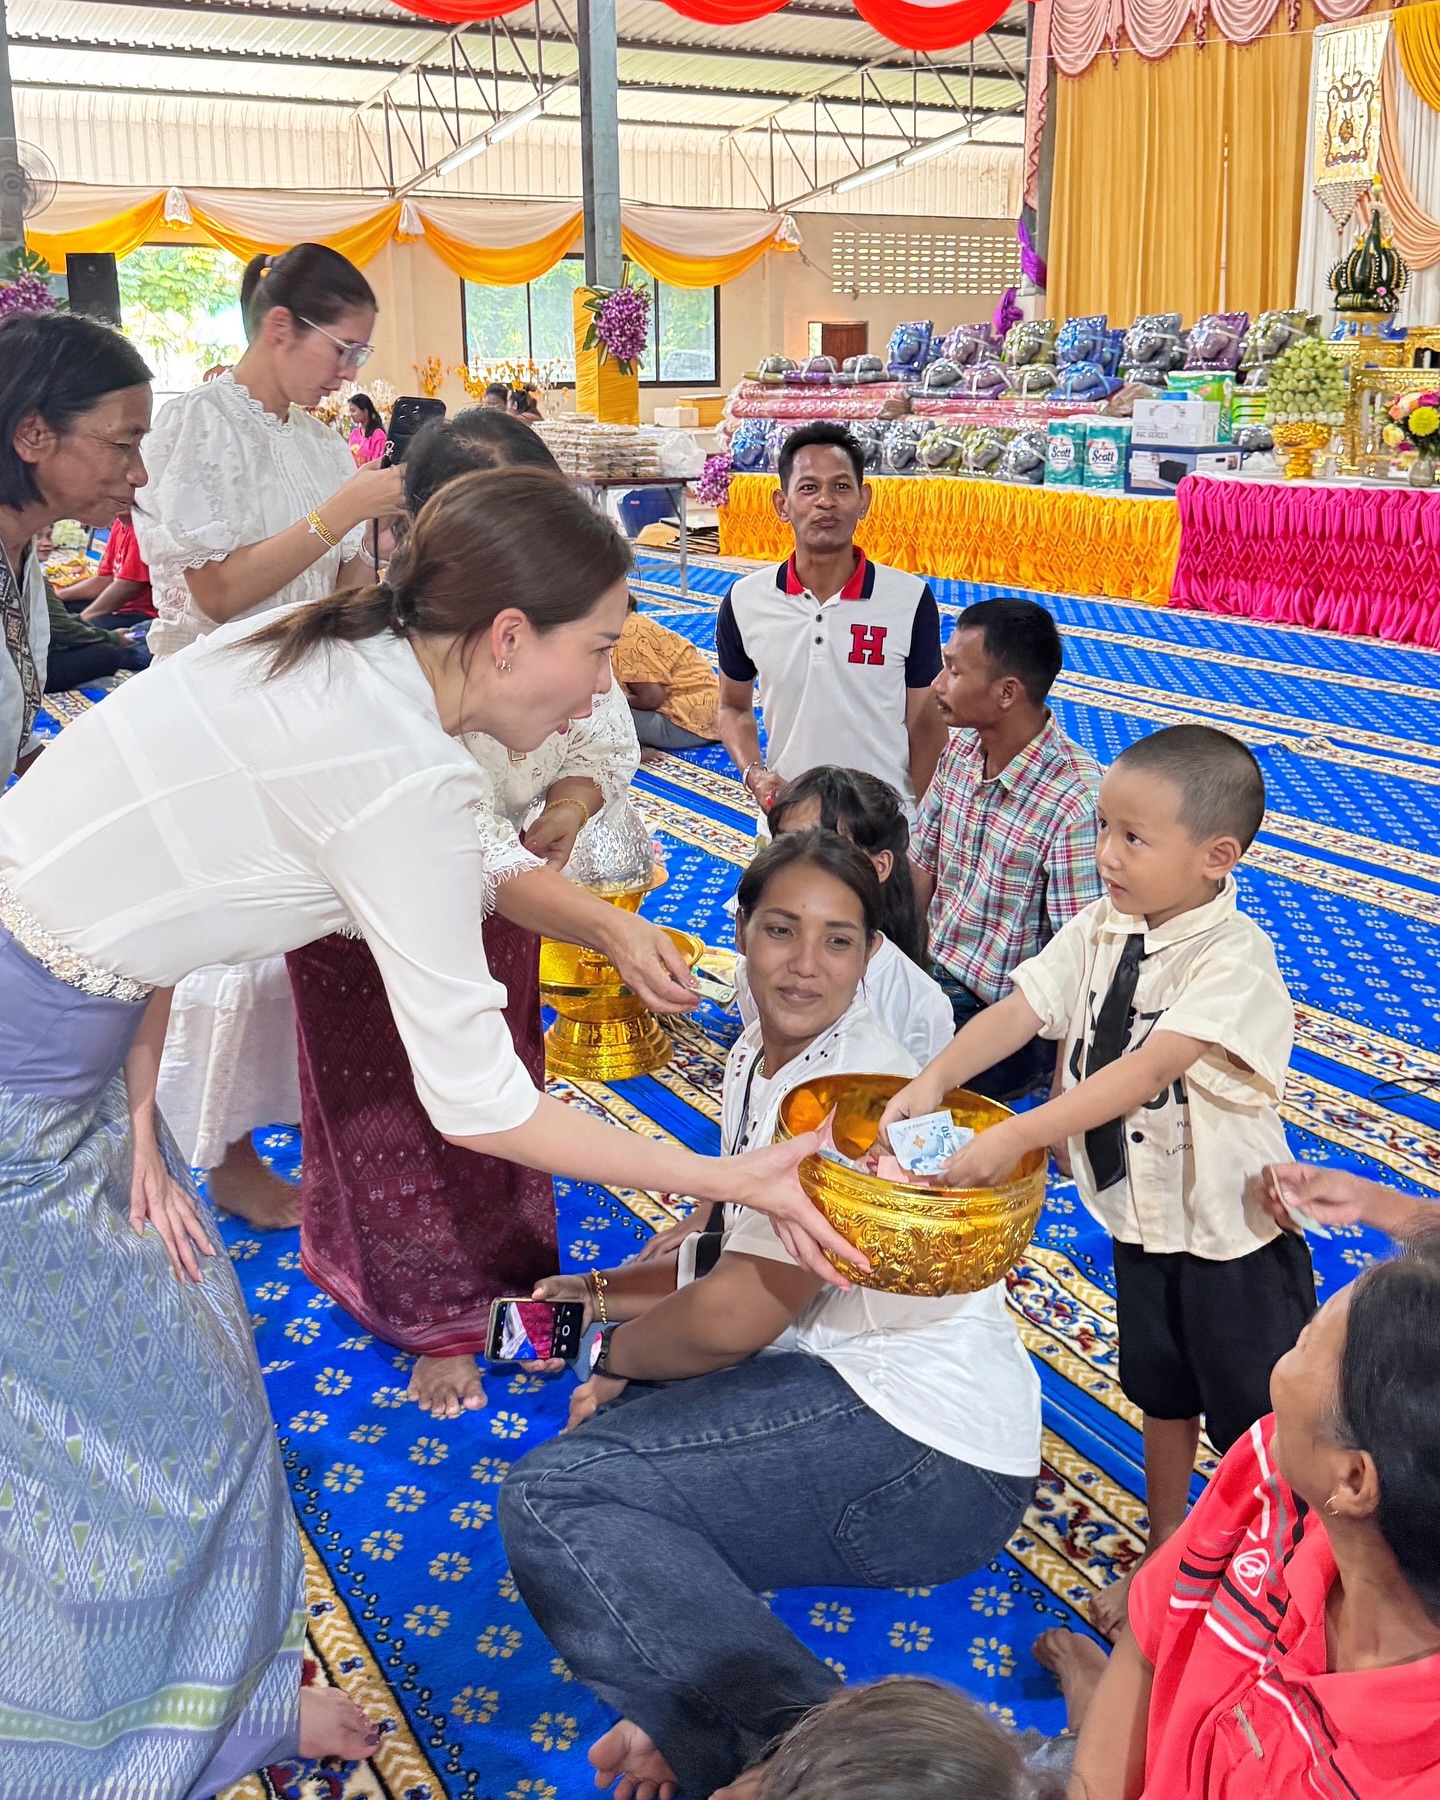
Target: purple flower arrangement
(619, 324)
(26, 294)
(713, 487)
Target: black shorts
(1200, 1337)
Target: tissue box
(1160, 468)
(1203, 384)
(1065, 452)
(677, 418)
(1175, 421)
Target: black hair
(522, 400)
(477, 438)
(1222, 792)
(497, 390)
(869, 812)
(904, 1738)
(59, 366)
(486, 541)
(1388, 1403)
(836, 437)
(820, 849)
(311, 282)
(373, 421)
(1020, 639)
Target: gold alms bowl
(921, 1240)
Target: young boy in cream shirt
(1176, 1030)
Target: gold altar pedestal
(603, 1031)
(923, 1240)
(1371, 391)
(1302, 440)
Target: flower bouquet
(1305, 401)
(713, 487)
(24, 287)
(431, 375)
(1415, 419)
(619, 323)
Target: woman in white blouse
(284, 779)
(253, 504)
(412, 1236)
(74, 406)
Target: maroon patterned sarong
(413, 1236)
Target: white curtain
(1321, 246)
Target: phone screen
(532, 1330)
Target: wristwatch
(600, 1357)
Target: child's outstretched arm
(1118, 1089)
(987, 1039)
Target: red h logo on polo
(867, 644)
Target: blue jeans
(641, 1544)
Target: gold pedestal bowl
(1302, 440)
(921, 1240)
(602, 1031)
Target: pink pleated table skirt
(1363, 561)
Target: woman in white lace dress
(253, 504)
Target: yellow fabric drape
(1417, 33)
(501, 268)
(1166, 172)
(1055, 541)
(692, 271)
(117, 236)
(361, 243)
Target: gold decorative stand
(603, 1031)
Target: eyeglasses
(353, 356)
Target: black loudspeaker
(94, 284)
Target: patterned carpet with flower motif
(412, 1608)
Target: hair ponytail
(312, 282)
(505, 538)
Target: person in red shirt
(1285, 1642)
(120, 592)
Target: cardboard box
(677, 418)
(1159, 469)
(1177, 420)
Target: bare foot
(1077, 1662)
(1110, 1608)
(650, 755)
(446, 1386)
(242, 1185)
(744, 1787)
(628, 1754)
(331, 1724)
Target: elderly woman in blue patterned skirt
(279, 780)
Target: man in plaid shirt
(1004, 846)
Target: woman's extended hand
(1332, 1197)
(155, 1196)
(766, 1180)
(370, 493)
(914, 1100)
(650, 965)
(551, 836)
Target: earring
(1330, 1506)
(503, 667)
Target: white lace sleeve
(603, 748)
(186, 514)
(500, 844)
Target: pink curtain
(1080, 29)
(1362, 561)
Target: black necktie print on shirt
(1105, 1144)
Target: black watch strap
(600, 1361)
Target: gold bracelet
(599, 1285)
(322, 530)
(571, 800)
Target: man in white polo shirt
(844, 649)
